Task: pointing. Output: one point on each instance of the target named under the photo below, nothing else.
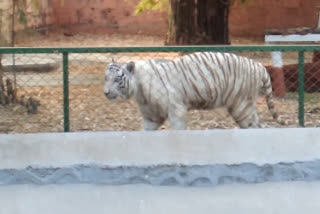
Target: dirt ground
(90, 110)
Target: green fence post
(301, 88)
(66, 123)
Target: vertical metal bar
(301, 88)
(13, 44)
(66, 121)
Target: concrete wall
(267, 198)
(254, 170)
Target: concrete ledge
(216, 171)
(181, 158)
(293, 38)
(113, 149)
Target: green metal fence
(65, 52)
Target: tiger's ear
(131, 67)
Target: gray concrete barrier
(254, 170)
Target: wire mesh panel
(35, 105)
(275, 63)
(86, 75)
(62, 89)
(311, 88)
(39, 73)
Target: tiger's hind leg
(252, 121)
(247, 118)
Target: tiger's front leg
(151, 121)
(177, 117)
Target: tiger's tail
(267, 88)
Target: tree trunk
(213, 21)
(198, 22)
(181, 22)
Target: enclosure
(66, 148)
(68, 85)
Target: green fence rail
(300, 49)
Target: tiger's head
(118, 80)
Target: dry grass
(90, 110)
(57, 39)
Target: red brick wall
(108, 16)
(257, 15)
(248, 20)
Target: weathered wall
(107, 16)
(41, 16)
(36, 17)
(250, 19)
(258, 15)
(5, 23)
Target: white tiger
(167, 89)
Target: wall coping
(140, 148)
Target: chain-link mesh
(40, 77)
(37, 79)
(311, 87)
